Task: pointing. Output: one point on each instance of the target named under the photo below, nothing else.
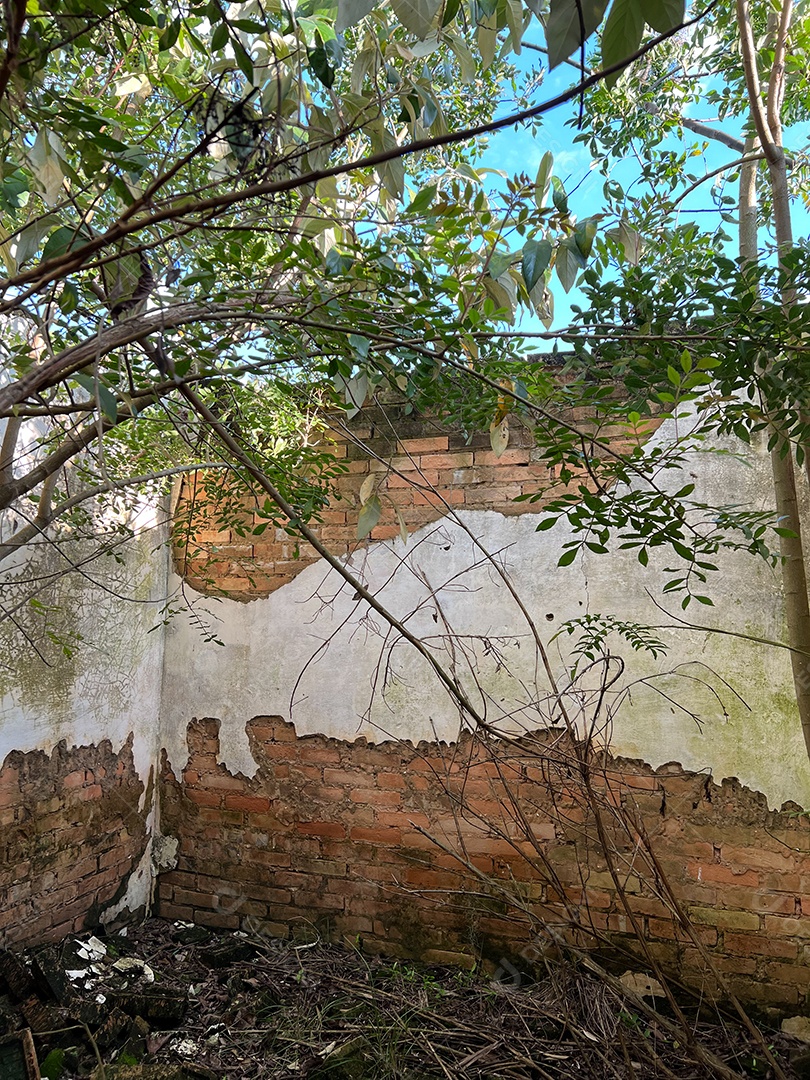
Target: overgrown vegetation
(276, 1010)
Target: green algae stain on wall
(78, 641)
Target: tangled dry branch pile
(246, 1006)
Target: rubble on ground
(167, 1001)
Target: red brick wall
(329, 835)
(423, 471)
(70, 833)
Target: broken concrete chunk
(48, 970)
(81, 954)
(43, 1016)
(189, 934)
(113, 1028)
(643, 985)
(798, 1027)
(135, 1047)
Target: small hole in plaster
(550, 617)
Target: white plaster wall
(311, 653)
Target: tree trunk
(766, 114)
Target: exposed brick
(346, 864)
(786, 928)
(376, 798)
(392, 781)
(423, 446)
(761, 945)
(376, 836)
(723, 874)
(62, 859)
(248, 803)
(322, 828)
(726, 920)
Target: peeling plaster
(138, 895)
(310, 652)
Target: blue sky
(519, 151)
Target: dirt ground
(170, 1001)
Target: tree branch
(41, 276)
(748, 50)
(749, 161)
(9, 449)
(715, 134)
(15, 20)
(115, 336)
(235, 450)
(776, 83)
(38, 526)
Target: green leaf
(584, 235)
(53, 1067)
(416, 15)
(542, 179)
(558, 196)
(465, 58)
(219, 37)
(422, 200)
(29, 239)
(536, 257)
(565, 23)
(109, 406)
(169, 35)
(514, 20)
(567, 557)
(546, 524)
(244, 61)
(350, 12)
(622, 34)
(663, 15)
(68, 298)
(451, 9)
(369, 516)
(360, 345)
(486, 35)
(569, 262)
(58, 242)
(93, 386)
(499, 263)
(321, 68)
